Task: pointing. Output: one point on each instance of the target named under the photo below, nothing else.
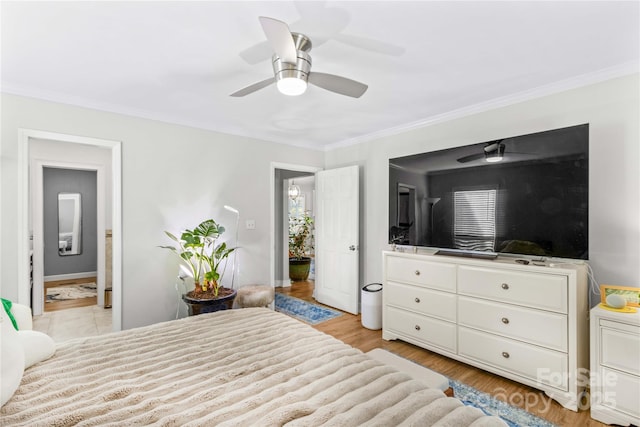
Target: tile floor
(71, 323)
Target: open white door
(337, 238)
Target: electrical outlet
(251, 224)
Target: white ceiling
(423, 61)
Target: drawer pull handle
(417, 272)
(505, 320)
(417, 327)
(505, 286)
(505, 354)
(417, 300)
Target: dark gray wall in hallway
(70, 181)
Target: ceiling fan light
(292, 86)
(494, 153)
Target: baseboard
(70, 276)
(283, 283)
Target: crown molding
(80, 102)
(582, 80)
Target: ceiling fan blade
(337, 84)
(253, 88)
(280, 38)
(471, 158)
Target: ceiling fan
(292, 65)
(494, 152)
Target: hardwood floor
(348, 328)
(62, 305)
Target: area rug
(70, 292)
(512, 415)
(303, 310)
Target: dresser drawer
(620, 347)
(621, 391)
(544, 291)
(419, 272)
(514, 356)
(524, 324)
(422, 300)
(425, 329)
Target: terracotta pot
(200, 306)
(299, 269)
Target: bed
(248, 366)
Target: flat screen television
(524, 195)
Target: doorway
(337, 228)
(37, 149)
(281, 177)
(70, 232)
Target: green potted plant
(206, 261)
(300, 246)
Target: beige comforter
(238, 367)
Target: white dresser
(615, 367)
(524, 322)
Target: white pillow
(11, 359)
(37, 347)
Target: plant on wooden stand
(206, 260)
(300, 245)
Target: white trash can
(372, 306)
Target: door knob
(352, 248)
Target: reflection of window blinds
(297, 207)
(474, 226)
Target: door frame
(273, 202)
(24, 269)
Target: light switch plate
(251, 224)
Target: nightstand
(615, 367)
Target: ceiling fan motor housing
(299, 70)
(301, 42)
(302, 67)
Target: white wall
(172, 177)
(612, 110)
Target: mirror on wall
(69, 224)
